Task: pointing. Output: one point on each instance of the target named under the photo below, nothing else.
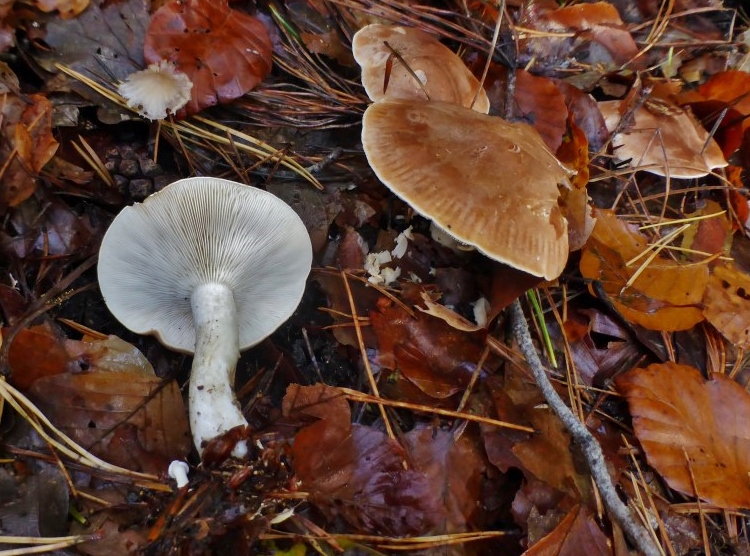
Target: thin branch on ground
(618, 511)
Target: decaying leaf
(598, 22)
(666, 295)
(664, 139)
(104, 395)
(454, 468)
(727, 304)
(93, 408)
(356, 472)
(433, 355)
(547, 456)
(688, 424)
(224, 52)
(27, 145)
(106, 35)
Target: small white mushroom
(157, 91)
(209, 267)
(178, 470)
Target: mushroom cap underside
(201, 230)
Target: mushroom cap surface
(488, 183)
(443, 74)
(196, 231)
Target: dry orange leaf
(686, 423)
(665, 296)
(727, 304)
(224, 52)
(732, 88)
(67, 8)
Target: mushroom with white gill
(210, 267)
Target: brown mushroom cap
(443, 74)
(489, 183)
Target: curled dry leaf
(686, 423)
(665, 296)
(448, 315)
(388, 53)
(664, 139)
(224, 52)
(727, 304)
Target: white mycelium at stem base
(214, 409)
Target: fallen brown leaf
(688, 424)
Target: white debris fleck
(402, 243)
(481, 308)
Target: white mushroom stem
(214, 409)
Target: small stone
(141, 188)
(126, 151)
(149, 168)
(129, 168)
(121, 182)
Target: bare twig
(618, 511)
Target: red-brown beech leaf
(224, 52)
(677, 413)
(434, 356)
(455, 469)
(356, 473)
(576, 534)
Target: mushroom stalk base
(214, 409)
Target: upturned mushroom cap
(489, 183)
(157, 91)
(443, 74)
(197, 231)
